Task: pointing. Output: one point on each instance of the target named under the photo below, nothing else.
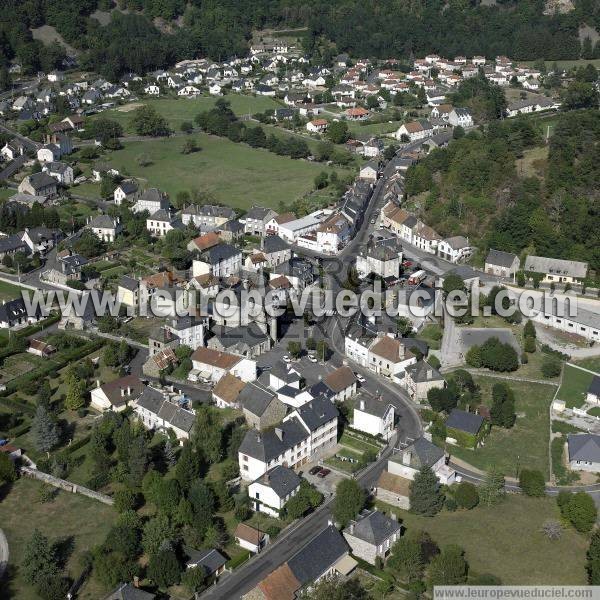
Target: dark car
(323, 473)
(315, 470)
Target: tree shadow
(64, 548)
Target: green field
(178, 110)
(75, 521)
(523, 446)
(593, 364)
(506, 540)
(234, 174)
(8, 291)
(575, 384)
(365, 128)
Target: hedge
(238, 560)
(34, 328)
(18, 405)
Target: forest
(474, 187)
(156, 33)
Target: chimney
(394, 516)
(406, 457)
(351, 528)
(362, 405)
(279, 433)
(122, 392)
(97, 383)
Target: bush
(532, 482)
(551, 367)
(529, 345)
(466, 495)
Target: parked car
(323, 473)
(406, 263)
(360, 378)
(286, 359)
(312, 357)
(315, 470)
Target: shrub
(551, 367)
(532, 482)
(466, 495)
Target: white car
(286, 359)
(312, 358)
(360, 378)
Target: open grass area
(234, 174)
(76, 522)
(178, 110)
(365, 128)
(525, 445)
(593, 364)
(432, 334)
(8, 291)
(534, 162)
(575, 384)
(506, 540)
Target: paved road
(13, 166)
(3, 554)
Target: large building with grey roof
(272, 490)
(372, 534)
(556, 270)
(584, 452)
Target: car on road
(360, 378)
(312, 357)
(323, 473)
(286, 359)
(407, 263)
(315, 470)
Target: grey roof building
(584, 451)
(464, 421)
(281, 480)
(269, 445)
(500, 258)
(556, 267)
(126, 591)
(372, 534)
(421, 453)
(212, 561)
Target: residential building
(584, 452)
(270, 492)
(421, 453)
(261, 406)
(389, 356)
(381, 257)
(317, 126)
(116, 395)
(62, 172)
(14, 314)
(454, 249)
(222, 260)
(126, 190)
(161, 222)
(128, 591)
(41, 239)
(464, 428)
(372, 534)
(593, 392)
(105, 227)
(208, 216)
(460, 117)
(414, 130)
(250, 340)
(250, 538)
(227, 391)
(212, 365)
(556, 270)
(275, 250)
(342, 382)
(256, 219)
(151, 200)
(501, 264)
(374, 416)
(211, 561)
(421, 377)
(39, 184)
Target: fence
(68, 486)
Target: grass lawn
(534, 162)
(432, 334)
(593, 364)
(87, 190)
(234, 174)
(8, 291)
(178, 110)
(354, 443)
(362, 128)
(575, 384)
(523, 446)
(75, 521)
(506, 540)
(6, 193)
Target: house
(414, 130)
(584, 452)
(151, 200)
(256, 219)
(41, 239)
(356, 114)
(222, 260)
(530, 106)
(304, 436)
(374, 416)
(381, 257)
(275, 250)
(325, 555)
(250, 538)
(464, 428)
(105, 227)
(40, 348)
(159, 413)
(128, 291)
(593, 392)
(11, 244)
(583, 322)
(204, 242)
(394, 490)
(501, 264)
(441, 111)
(227, 391)
(389, 356)
(39, 184)
(211, 561)
(261, 406)
(161, 222)
(372, 534)
(331, 235)
(126, 190)
(212, 365)
(12, 149)
(557, 270)
(454, 249)
(369, 171)
(317, 126)
(421, 453)
(290, 231)
(116, 395)
(48, 153)
(62, 172)
(152, 89)
(421, 377)
(249, 340)
(460, 117)
(159, 362)
(270, 492)
(342, 382)
(189, 91)
(189, 329)
(127, 591)
(14, 314)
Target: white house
(317, 126)
(374, 416)
(389, 356)
(250, 538)
(584, 452)
(126, 190)
(105, 227)
(116, 395)
(270, 492)
(422, 452)
(151, 200)
(455, 248)
(460, 117)
(212, 365)
(152, 90)
(372, 534)
(221, 260)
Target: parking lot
(326, 485)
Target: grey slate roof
(218, 253)
(129, 283)
(500, 258)
(11, 243)
(373, 527)
(317, 412)
(318, 556)
(154, 401)
(268, 445)
(595, 386)
(209, 560)
(128, 186)
(584, 447)
(281, 480)
(556, 266)
(371, 406)
(273, 243)
(422, 453)
(126, 591)
(422, 371)
(255, 398)
(464, 421)
(250, 335)
(41, 180)
(102, 222)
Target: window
(245, 467)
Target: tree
(349, 500)
(125, 499)
(551, 367)
(466, 495)
(294, 349)
(502, 412)
(529, 329)
(322, 349)
(492, 489)
(203, 506)
(137, 461)
(7, 469)
(580, 94)
(448, 568)
(169, 453)
(146, 121)
(337, 132)
(75, 392)
(188, 466)
(593, 559)
(193, 580)
(406, 560)
(452, 283)
(336, 588)
(164, 568)
(532, 482)
(581, 512)
(157, 530)
(189, 147)
(426, 497)
(104, 130)
(321, 180)
(208, 434)
(39, 558)
(44, 430)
